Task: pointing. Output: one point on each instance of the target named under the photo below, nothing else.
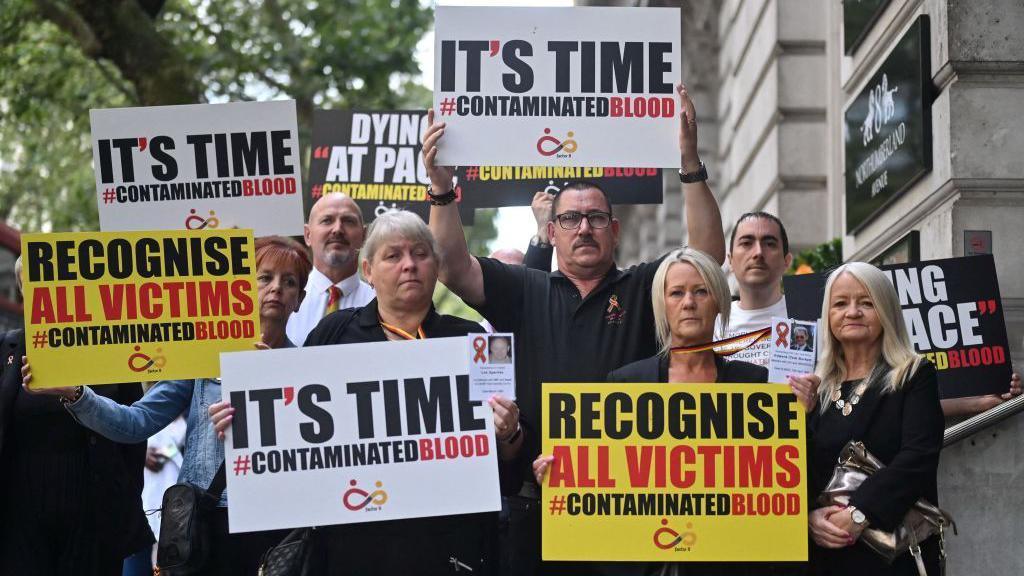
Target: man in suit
(801, 339)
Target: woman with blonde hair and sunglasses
(877, 390)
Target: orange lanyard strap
(755, 336)
(405, 335)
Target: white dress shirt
(354, 294)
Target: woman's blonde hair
(897, 362)
(713, 277)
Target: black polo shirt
(561, 337)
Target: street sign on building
(888, 129)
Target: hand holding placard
(440, 176)
(690, 160)
(723, 462)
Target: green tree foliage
(47, 86)
(59, 58)
(821, 258)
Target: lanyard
(405, 335)
(757, 335)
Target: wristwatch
(536, 241)
(857, 516)
(699, 176)
(64, 400)
(515, 435)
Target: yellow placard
(108, 307)
(674, 473)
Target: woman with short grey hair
(398, 224)
(401, 261)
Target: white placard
(557, 86)
(198, 166)
(356, 433)
(792, 348)
(492, 369)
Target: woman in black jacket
(400, 260)
(875, 389)
(70, 500)
(688, 293)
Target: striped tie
(333, 298)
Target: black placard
(858, 17)
(374, 157)
(953, 314)
(888, 130)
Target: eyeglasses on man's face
(572, 219)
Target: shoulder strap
(219, 482)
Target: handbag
(293, 556)
(921, 522)
(185, 531)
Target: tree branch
(127, 89)
(126, 35)
(152, 7)
(71, 22)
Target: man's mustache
(585, 241)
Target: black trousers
(239, 554)
(521, 545)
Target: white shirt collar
(319, 283)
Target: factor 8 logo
(548, 145)
(197, 222)
(614, 313)
(355, 498)
(142, 362)
(666, 538)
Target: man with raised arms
(573, 325)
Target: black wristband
(442, 199)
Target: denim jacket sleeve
(129, 424)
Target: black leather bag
(185, 531)
(293, 556)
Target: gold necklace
(846, 406)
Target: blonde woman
(875, 389)
(689, 291)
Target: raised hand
(440, 176)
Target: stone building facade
(772, 82)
